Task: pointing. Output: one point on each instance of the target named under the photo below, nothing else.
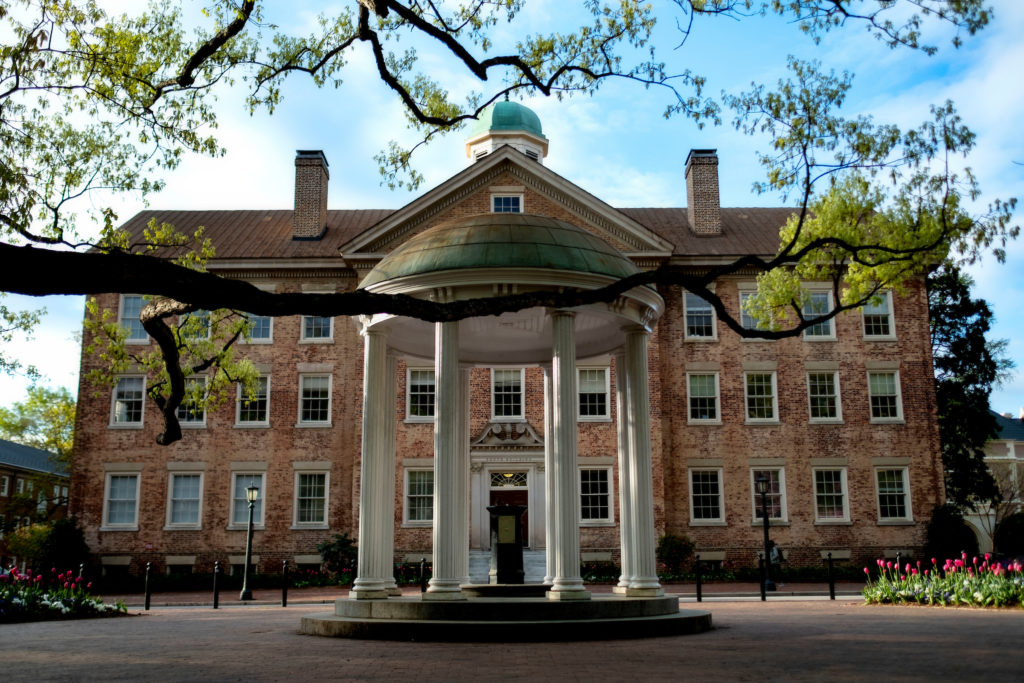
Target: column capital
(633, 328)
(556, 312)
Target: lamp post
(762, 485)
(251, 494)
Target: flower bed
(956, 582)
(28, 597)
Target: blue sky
(615, 144)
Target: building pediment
(504, 436)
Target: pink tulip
(988, 556)
(907, 568)
(866, 571)
(914, 572)
(926, 572)
(888, 565)
(89, 585)
(933, 561)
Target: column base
(450, 596)
(568, 595)
(620, 590)
(644, 592)
(368, 594)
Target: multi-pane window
(186, 492)
(506, 203)
(823, 395)
(196, 325)
(706, 496)
(191, 410)
(747, 320)
(700, 317)
(830, 503)
(131, 308)
(262, 329)
(421, 393)
(419, 497)
(240, 504)
(774, 499)
(315, 399)
(816, 304)
(253, 409)
(702, 398)
(311, 498)
(316, 327)
(507, 394)
(128, 401)
(593, 393)
(878, 316)
(759, 388)
(122, 502)
(5, 485)
(595, 495)
(884, 395)
(20, 486)
(892, 494)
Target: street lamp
(762, 484)
(251, 494)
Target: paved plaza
(783, 639)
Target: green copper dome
(502, 240)
(507, 116)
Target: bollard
(284, 584)
(761, 567)
(81, 570)
(216, 588)
(148, 565)
(697, 571)
(831, 580)
(899, 562)
(423, 575)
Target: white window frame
(183, 419)
(259, 521)
(522, 396)
(317, 472)
(744, 290)
(717, 420)
(886, 296)
(406, 521)
(774, 419)
(201, 313)
(116, 424)
(170, 523)
(120, 526)
(843, 482)
(838, 418)
(783, 517)
(686, 326)
(508, 195)
(898, 418)
(609, 519)
(330, 399)
(606, 417)
(708, 521)
(5, 485)
(808, 333)
(19, 486)
(261, 340)
(409, 417)
(329, 339)
(905, 474)
(239, 397)
(129, 339)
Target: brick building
(840, 420)
(33, 488)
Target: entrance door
(510, 488)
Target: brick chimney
(702, 205)
(311, 175)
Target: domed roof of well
(502, 240)
(507, 115)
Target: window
(419, 496)
(893, 503)
(262, 330)
(315, 399)
(700, 317)
(506, 203)
(420, 395)
(128, 402)
(595, 495)
(815, 304)
(240, 504)
(878, 321)
(747, 320)
(884, 395)
(823, 396)
(593, 393)
(706, 496)
(191, 411)
(254, 410)
(315, 327)
(776, 497)
(5, 484)
(830, 504)
(131, 308)
(310, 498)
(185, 500)
(121, 502)
(702, 399)
(20, 486)
(196, 325)
(507, 393)
(759, 388)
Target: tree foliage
(94, 102)
(44, 420)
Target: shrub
(338, 553)
(949, 535)
(674, 552)
(1009, 538)
(58, 544)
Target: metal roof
(1010, 429)
(507, 115)
(29, 458)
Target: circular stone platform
(605, 617)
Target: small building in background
(33, 488)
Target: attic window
(506, 203)
(480, 153)
(533, 155)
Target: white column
(566, 584)
(625, 480)
(644, 579)
(376, 490)
(447, 455)
(463, 467)
(550, 499)
(389, 427)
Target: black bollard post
(284, 584)
(216, 588)
(423, 575)
(760, 566)
(697, 571)
(148, 565)
(831, 580)
(899, 562)
(81, 570)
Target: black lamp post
(251, 494)
(762, 486)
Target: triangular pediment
(505, 168)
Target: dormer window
(506, 203)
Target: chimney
(702, 206)
(310, 218)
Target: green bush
(339, 553)
(948, 534)
(674, 552)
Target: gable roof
(1010, 429)
(29, 458)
